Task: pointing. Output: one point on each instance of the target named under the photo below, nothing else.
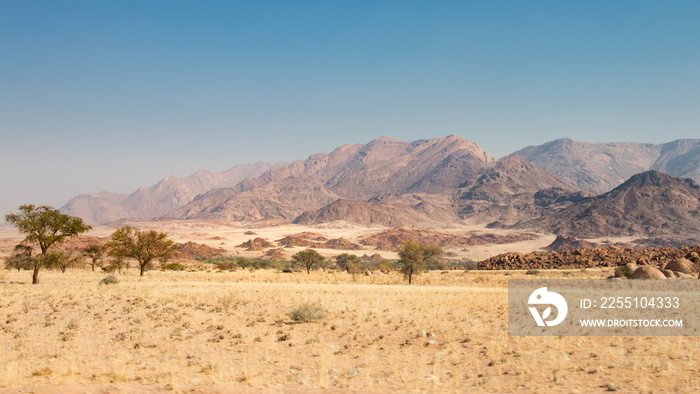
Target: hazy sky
(113, 95)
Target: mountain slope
(354, 172)
(366, 214)
(385, 165)
(513, 190)
(650, 203)
(601, 167)
(284, 199)
(167, 195)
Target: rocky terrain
(651, 203)
(662, 263)
(393, 238)
(600, 168)
(366, 214)
(512, 191)
(280, 199)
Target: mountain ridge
(168, 194)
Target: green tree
(63, 260)
(414, 257)
(46, 227)
(95, 252)
(348, 262)
(21, 258)
(308, 258)
(142, 246)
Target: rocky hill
(167, 195)
(283, 199)
(512, 191)
(601, 167)
(367, 214)
(392, 239)
(648, 204)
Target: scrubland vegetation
(220, 331)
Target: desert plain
(206, 330)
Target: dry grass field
(231, 332)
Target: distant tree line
(46, 227)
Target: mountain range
(163, 197)
(552, 187)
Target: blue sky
(113, 95)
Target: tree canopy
(348, 262)
(308, 258)
(414, 257)
(143, 246)
(45, 226)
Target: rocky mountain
(391, 183)
(601, 167)
(283, 199)
(385, 165)
(167, 195)
(648, 204)
(367, 214)
(512, 191)
(351, 172)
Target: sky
(115, 95)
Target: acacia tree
(308, 258)
(21, 258)
(143, 246)
(348, 262)
(413, 258)
(45, 226)
(95, 252)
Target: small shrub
(307, 312)
(532, 272)
(287, 271)
(109, 280)
(471, 265)
(623, 271)
(174, 267)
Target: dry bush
(307, 312)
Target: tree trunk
(142, 269)
(35, 276)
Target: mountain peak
(654, 178)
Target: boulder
(682, 265)
(647, 272)
(681, 275)
(669, 274)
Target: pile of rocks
(683, 262)
(682, 268)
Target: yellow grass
(222, 332)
